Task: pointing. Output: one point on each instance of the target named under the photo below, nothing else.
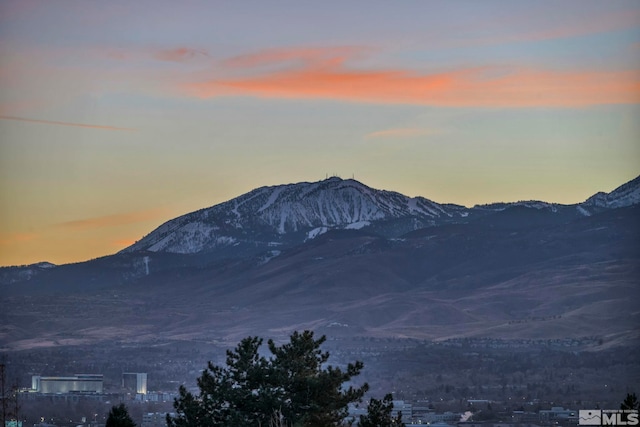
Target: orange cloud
(400, 132)
(113, 220)
(51, 122)
(319, 75)
(180, 54)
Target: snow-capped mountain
(626, 195)
(285, 215)
(273, 215)
(315, 255)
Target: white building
(135, 381)
(79, 383)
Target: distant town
(458, 382)
(85, 391)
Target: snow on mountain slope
(284, 209)
(294, 213)
(626, 195)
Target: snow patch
(583, 211)
(357, 225)
(272, 198)
(44, 264)
(188, 239)
(163, 243)
(316, 232)
(225, 240)
(337, 325)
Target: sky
(118, 116)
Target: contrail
(81, 125)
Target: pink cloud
(178, 54)
(181, 54)
(315, 55)
(322, 74)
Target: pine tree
(119, 417)
(237, 395)
(251, 388)
(312, 395)
(379, 414)
(630, 402)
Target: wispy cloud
(401, 133)
(586, 24)
(176, 54)
(309, 55)
(180, 54)
(114, 220)
(317, 74)
(537, 26)
(57, 123)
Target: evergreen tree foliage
(379, 414)
(119, 417)
(251, 388)
(630, 402)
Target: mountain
(287, 215)
(341, 258)
(23, 273)
(290, 214)
(623, 196)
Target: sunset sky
(116, 116)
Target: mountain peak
(287, 213)
(627, 194)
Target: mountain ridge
(289, 214)
(376, 263)
(272, 213)
(477, 279)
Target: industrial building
(135, 382)
(79, 383)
